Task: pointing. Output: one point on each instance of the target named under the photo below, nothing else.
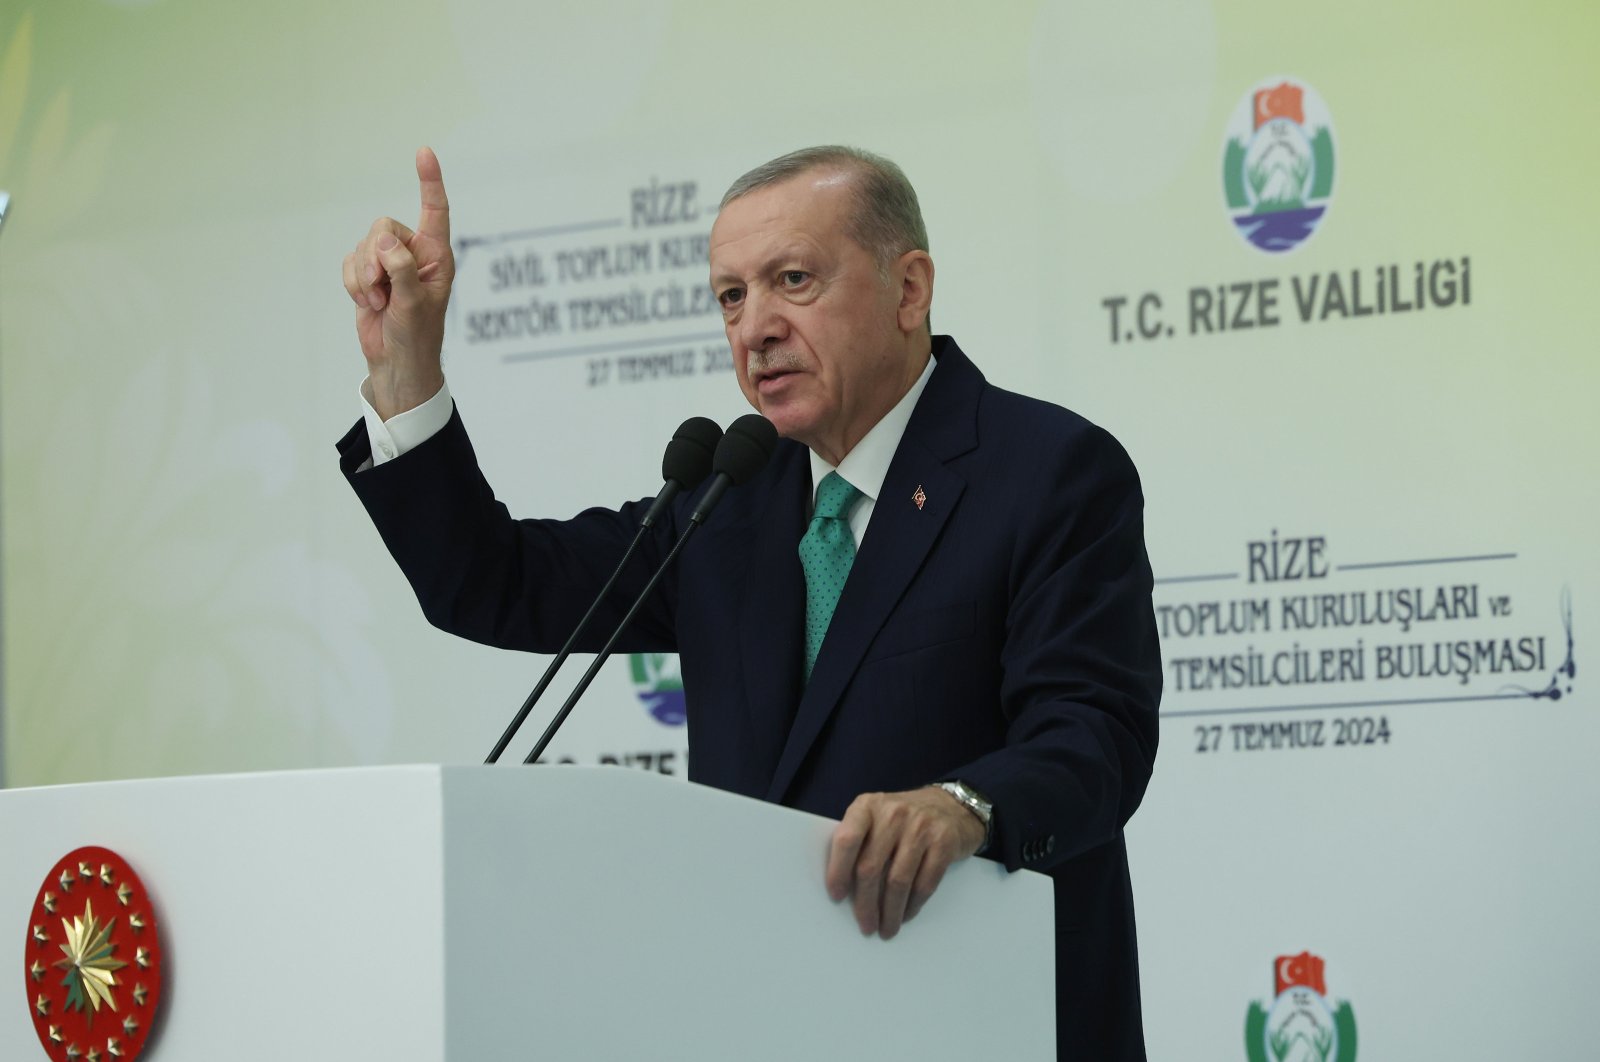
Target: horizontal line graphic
(1344, 704)
(533, 234)
(1426, 560)
(1197, 578)
(612, 348)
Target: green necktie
(827, 550)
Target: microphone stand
(610, 646)
(561, 657)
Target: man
(933, 581)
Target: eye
(730, 298)
(793, 278)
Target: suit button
(1050, 844)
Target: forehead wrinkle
(795, 251)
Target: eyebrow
(800, 256)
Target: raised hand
(400, 282)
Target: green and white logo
(1300, 1024)
(1277, 164)
(659, 686)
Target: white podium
(474, 913)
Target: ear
(914, 269)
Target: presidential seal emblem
(92, 963)
(1277, 164)
(1300, 1024)
(659, 686)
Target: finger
(928, 879)
(369, 269)
(897, 882)
(845, 848)
(402, 270)
(390, 226)
(435, 218)
(871, 868)
(351, 284)
(869, 887)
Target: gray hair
(887, 220)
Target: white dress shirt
(866, 466)
(404, 431)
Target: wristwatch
(976, 803)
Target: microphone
(742, 453)
(685, 465)
(688, 461)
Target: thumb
(405, 290)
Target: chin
(781, 423)
(789, 425)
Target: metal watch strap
(976, 803)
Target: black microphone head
(745, 449)
(688, 458)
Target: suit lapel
(897, 542)
(772, 601)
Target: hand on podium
(890, 852)
(400, 282)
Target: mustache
(770, 361)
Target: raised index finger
(435, 219)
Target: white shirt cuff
(404, 431)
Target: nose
(762, 321)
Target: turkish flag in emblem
(1303, 970)
(1280, 102)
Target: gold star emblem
(40, 935)
(50, 902)
(112, 1049)
(94, 1055)
(142, 957)
(36, 971)
(55, 1033)
(139, 992)
(85, 870)
(123, 892)
(72, 1051)
(105, 873)
(91, 971)
(136, 920)
(42, 1005)
(67, 878)
(128, 1025)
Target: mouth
(772, 378)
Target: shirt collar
(866, 466)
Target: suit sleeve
(514, 584)
(1080, 665)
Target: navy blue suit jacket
(1001, 633)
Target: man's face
(812, 322)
